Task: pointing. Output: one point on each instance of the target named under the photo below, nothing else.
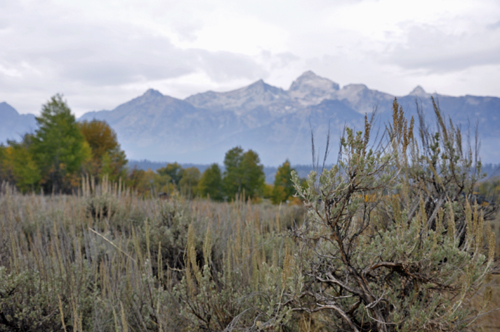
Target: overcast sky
(102, 53)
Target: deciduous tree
(188, 184)
(174, 171)
(107, 156)
(283, 185)
(20, 168)
(243, 174)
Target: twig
(114, 245)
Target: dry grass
(490, 322)
(109, 260)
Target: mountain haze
(276, 123)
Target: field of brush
(112, 261)
(109, 260)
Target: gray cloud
(494, 25)
(431, 49)
(103, 53)
(224, 66)
(279, 60)
(111, 54)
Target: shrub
(393, 240)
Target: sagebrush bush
(394, 240)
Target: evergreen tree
(211, 183)
(58, 146)
(283, 185)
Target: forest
(400, 234)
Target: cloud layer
(99, 54)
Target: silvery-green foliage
(393, 240)
(30, 302)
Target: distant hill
(276, 123)
(269, 171)
(492, 170)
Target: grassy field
(108, 260)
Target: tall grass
(109, 260)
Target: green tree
(58, 146)
(174, 171)
(232, 180)
(107, 156)
(211, 183)
(188, 184)
(17, 165)
(145, 183)
(283, 185)
(25, 171)
(6, 167)
(394, 241)
(243, 173)
(254, 178)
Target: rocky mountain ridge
(276, 123)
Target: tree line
(55, 157)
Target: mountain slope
(157, 126)
(14, 125)
(289, 137)
(244, 100)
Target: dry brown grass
(110, 260)
(490, 322)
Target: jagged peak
(418, 91)
(309, 78)
(6, 108)
(5, 104)
(152, 93)
(258, 83)
(259, 87)
(309, 74)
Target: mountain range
(274, 122)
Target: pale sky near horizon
(100, 54)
